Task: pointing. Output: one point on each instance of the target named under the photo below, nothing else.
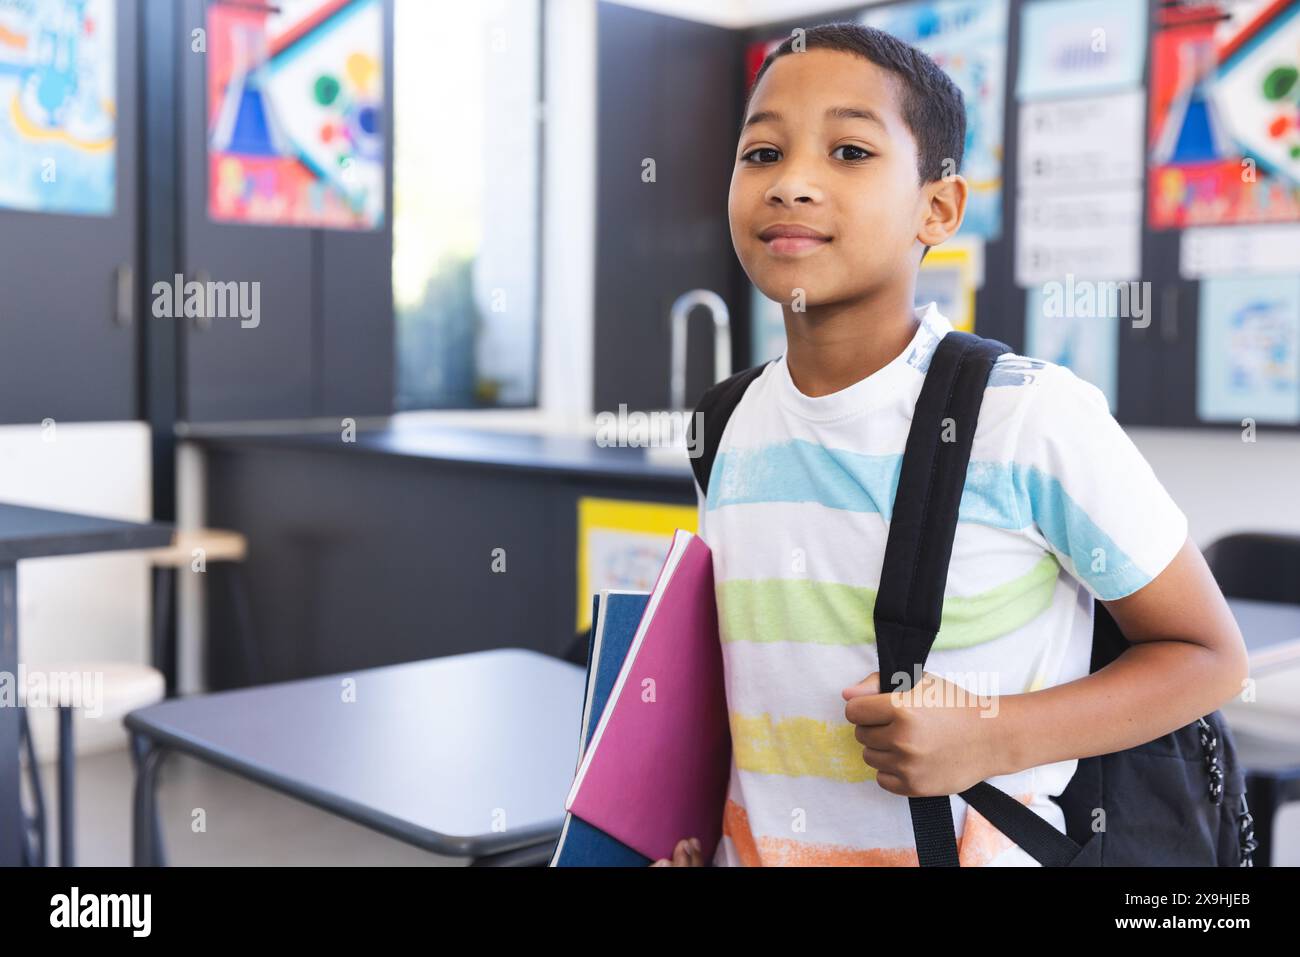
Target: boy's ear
(945, 207)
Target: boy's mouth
(790, 238)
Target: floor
(214, 818)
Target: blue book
(614, 620)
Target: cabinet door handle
(124, 295)
(203, 321)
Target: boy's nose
(793, 187)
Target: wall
(83, 608)
(1226, 485)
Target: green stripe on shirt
(829, 613)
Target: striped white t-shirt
(1059, 508)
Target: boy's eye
(856, 152)
(752, 154)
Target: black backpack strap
(1035, 836)
(923, 521)
(710, 417)
(909, 604)
(922, 525)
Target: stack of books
(655, 746)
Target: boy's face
(805, 159)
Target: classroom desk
(1271, 630)
(41, 533)
(467, 755)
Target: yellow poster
(623, 544)
(948, 278)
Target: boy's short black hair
(933, 106)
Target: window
(467, 206)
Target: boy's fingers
(868, 685)
(688, 853)
(682, 854)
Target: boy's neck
(829, 348)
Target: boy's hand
(935, 739)
(687, 853)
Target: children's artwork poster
(58, 106)
(1081, 47)
(755, 54)
(1088, 345)
(1081, 143)
(622, 544)
(1224, 135)
(947, 278)
(1089, 235)
(1248, 350)
(1211, 251)
(968, 39)
(296, 113)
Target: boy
(845, 174)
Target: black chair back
(1257, 565)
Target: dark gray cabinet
(668, 90)
(68, 315)
(324, 342)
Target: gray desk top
(466, 755)
(41, 533)
(1271, 631)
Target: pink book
(659, 762)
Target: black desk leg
(34, 851)
(67, 796)
(12, 827)
(146, 832)
(238, 582)
(165, 658)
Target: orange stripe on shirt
(979, 843)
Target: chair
(1262, 567)
(125, 687)
(1257, 565)
(218, 547)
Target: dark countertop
(528, 453)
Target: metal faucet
(680, 313)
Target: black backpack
(1176, 801)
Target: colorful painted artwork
(1086, 345)
(1081, 47)
(1248, 350)
(296, 113)
(968, 39)
(1224, 138)
(58, 106)
(755, 54)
